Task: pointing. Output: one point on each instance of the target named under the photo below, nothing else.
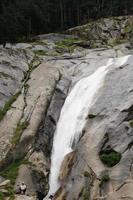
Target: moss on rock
(131, 123)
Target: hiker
(18, 189)
(23, 188)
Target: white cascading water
(73, 117)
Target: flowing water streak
(73, 117)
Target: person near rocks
(23, 188)
(18, 189)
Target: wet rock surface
(110, 128)
(45, 135)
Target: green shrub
(110, 158)
(86, 174)
(1, 196)
(104, 179)
(131, 123)
(11, 172)
(66, 45)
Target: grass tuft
(8, 104)
(11, 173)
(131, 123)
(21, 126)
(67, 45)
(40, 52)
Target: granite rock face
(108, 31)
(43, 74)
(13, 65)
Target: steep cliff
(35, 80)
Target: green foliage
(11, 171)
(86, 174)
(21, 126)
(67, 42)
(66, 45)
(1, 196)
(104, 179)
(86, 196)
(7, 105)
(10, 193)
(131, 123)
(110, 158)
(40, 52)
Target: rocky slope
(35, 80)
(106, 32)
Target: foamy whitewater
(73, 117)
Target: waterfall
(73, 117)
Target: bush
(110, 157)
(104, 179)
(131, 123)
(11, 171)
